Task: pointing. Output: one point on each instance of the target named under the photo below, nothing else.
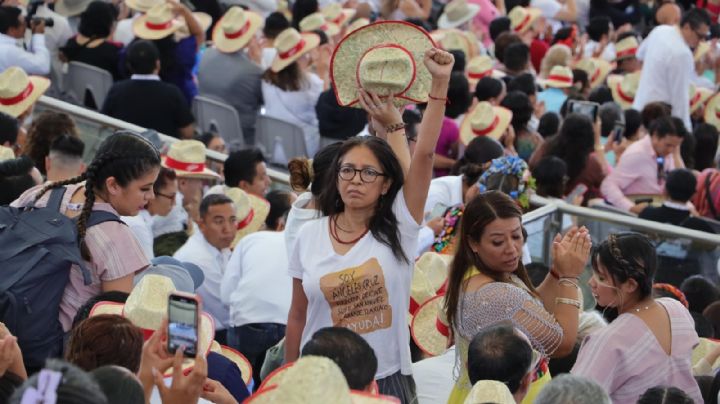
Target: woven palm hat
(143, 5)
(384, 58)
(336, 14)
(146, 307)
(454, 39)
(523, 18)
(237, 358)
(626, 48)
(235, 29)
(457, 13)
(187, 158)
(429, 276)
(623, 88)
(484, 120)
(203, 19)
(157, 23)
(359, 23)
(424, 330)
(701, 50)
(559, 77)
(18, 91)
(481, 66)
(6, 153)
(71, 8)
(490, 391)
(597, 70)
(314, 380)
(250, 211)
(712, 111)
(317, 21)
(290, 46)
(698, 97)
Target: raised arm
(383, 116)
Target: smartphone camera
(589, 109)
(183, 324)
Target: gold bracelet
(571, 302)
(568, 280)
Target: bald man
(668, 14)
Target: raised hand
(383, 112)
(571, 252)
(439, 63)
(184, 389)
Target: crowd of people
(395, 268)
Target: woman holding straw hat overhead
(353, 267)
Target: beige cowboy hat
(424, 330)
(523, 18)
(623, 88)
(559, 77)
(6, 153)
(336, 14)
(481, 66)
(203, 19)
(359, 23)
(712, 111)
(290, 46)
(317, 21)
(490, 391)
(701, 50)
(429, 276)
(596, 69)
(157, 23)
(626, 48)
(314, 379)
(143, 5)
(187, 158)
(146, 307)
(250, 211)
(71, 8)
(384, 58)
(235, 29)
(485, 120)
(698, 97)
(18, 91)
(454, 39)
(457, 13)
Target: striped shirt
(626, 359)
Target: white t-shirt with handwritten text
(366, 290)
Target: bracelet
(570, 281)
(571, 302)
(394, 127)
(445, 99)
(557, 276)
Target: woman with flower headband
(488, 284)
(651, 341)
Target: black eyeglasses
(367, 175)
(701, 35)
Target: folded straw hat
(481, 66)
(424, 328)
(559, 77)
(143, 5)
(523, 18)
(698, 97)
(712, 111)
(429, 276)
(290, 46)
(236, 357)
(626, 48)
(157, 23)
(597, 70)
(187, 158)
(317, 21)
(623, 88)
(235, 29)
(490, 391)
(385, 58)
(457, 13)
(18, 91)
(251, 212)
(71, 8)
(334, 13)
(203, 19)
(454, 39)
(484, 120)
(359, 23)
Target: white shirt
(123, 30)
(297, 217)
(174, 221)
(608, 53)
(367, 290)
(212, 261)
(256, 286)
(268, 55)
(141, 226)
(446, 191)
(667, 72)
(434, 377)
(549, 9)
(55, 38)
(36, 60)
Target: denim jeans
(253, 340)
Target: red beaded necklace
(332, 224)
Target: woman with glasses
(353, 267)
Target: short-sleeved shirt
(114, 249)
(366, 290)
(449, 135)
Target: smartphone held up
(183, 320)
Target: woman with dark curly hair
(44, 129)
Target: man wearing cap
(227, 71)
(668, 66)
(557, 88)
(35, 60)
(626, 48)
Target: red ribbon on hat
(523, 23)
(478, 76)
(695, 99)
(20, 97)
(483, 132)
(595, 75)
(414, 306)
(292, 51)
(338, 19)
(442, 327)
(627, 52)
(247, 220)
(158, 27)
(240, 32)
(183, 166)
(562, 79)
(622, 95)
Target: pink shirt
(114, 249)
(626, 359)
(487, 13)
(449, 135)
(635, 174)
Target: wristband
(571, 302)
(394, 127)
(444, 99)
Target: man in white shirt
(556, 12)
(209, 248)
(600, 32)
(668, 67)
(35, 60)
(434, 377)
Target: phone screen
(617, 132)
(589, 109)
(182, 324)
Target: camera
(31, 17)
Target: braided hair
(628, 256)
(124, 156)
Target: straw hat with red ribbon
(424, 329)
(626, 48)
(597, 70)
(429, 277)
(334, 13)
(623, 88)
(358, 23)
(698, 97)
(457, 13)
(454, 39)
(236, 357)
(317, 21)
(157, 23)
(143, 5)
(712, 111)
(485, 120)
(383, 58)
(481, 66)
(250, 210)
(18, 91)
(187, 158)
(235, 29)
(290, 46)
(523, 18)
(203, 19)
(559, 77)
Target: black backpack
(37, 249)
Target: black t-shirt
(678, 217)
(151, 104)
(105, 56)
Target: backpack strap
(56, 197)
(102, 216)
(708, 195)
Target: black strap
(708, 196)
(101, 216)
(55, 200)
